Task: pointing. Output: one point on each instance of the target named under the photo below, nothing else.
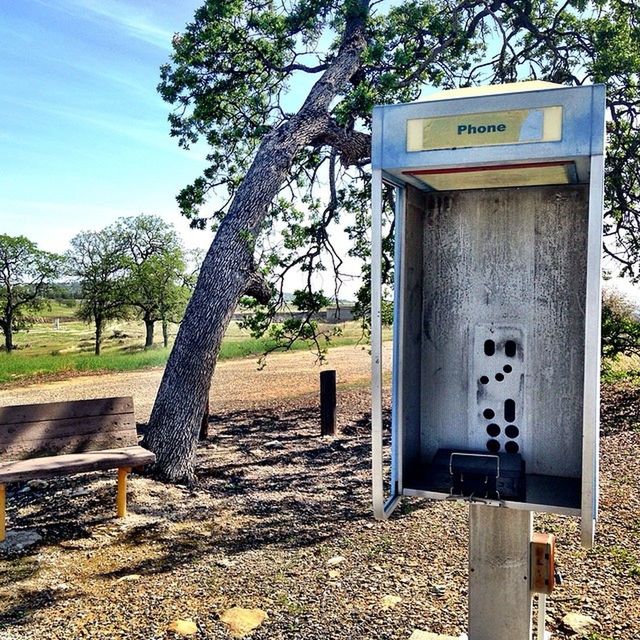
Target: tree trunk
(99, 327)
(173, 429)
(149, 326)
(165, 333)
(7, 328)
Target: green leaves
(620, 329)
(227, 79)
(240, 68)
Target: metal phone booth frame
(496, 337)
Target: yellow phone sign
(516, 126)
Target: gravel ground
(281, 520)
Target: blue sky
(84, 137)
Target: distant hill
(65, 291)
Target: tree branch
(258, 288)
(352, 146)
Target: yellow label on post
(516, 126)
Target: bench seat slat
(65, 410)
(74, 463)
(31, 449)
(44, 429)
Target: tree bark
(258, 288)
(174, 425)
(149, 326)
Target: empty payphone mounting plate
(497, 388)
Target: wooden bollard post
(327, 403)
(3, 514)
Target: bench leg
(3, 517)
(123, 472)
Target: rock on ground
(242, 621)
(579, 624)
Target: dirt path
(237, 383)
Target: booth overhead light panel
(497, 176)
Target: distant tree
(174, 303)
(99, 260)
(26, 272)
(61, 291)
(158, 279)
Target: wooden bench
(61, 438)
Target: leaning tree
(281, 92)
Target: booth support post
(377, 462)
(499, 593)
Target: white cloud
(145, 131)
(129, 18)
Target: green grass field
(45, 351)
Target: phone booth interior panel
(501, 339)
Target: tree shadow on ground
(272, 472)
(268, 470)
(30, 602)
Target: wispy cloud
(129, 18)
(150, 132)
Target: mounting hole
(489, 414)
(493, 430)
(512, 431)
(509, 348)
(511, 447)
(509, 410)
(499, 377)
(489, 347)
(507, 368)
(493, 446)
(484, 380)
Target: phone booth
(496, 338)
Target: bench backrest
(36, 430)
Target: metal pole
(377, 462)
(542, 614)
(499, 595)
